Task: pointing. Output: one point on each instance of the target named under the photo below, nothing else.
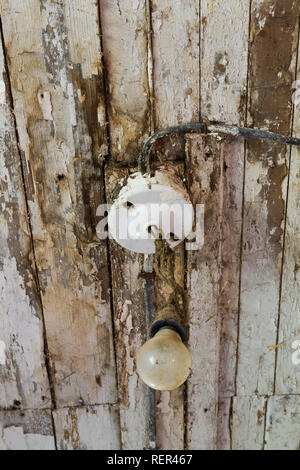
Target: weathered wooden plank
(224, 56)
(248, 423)
(288, 354)
(288, 368)
(125, 27)
(26, 430)
(274, 32)
(130, 330)
(233, 175)
(23, 376)
(224, 67)
(170, 405)
(87, 428)
(224, 424)
(175, 48)
(170, 420)
(283, 423)
(125, 50)
(175, 51)
(55, 68)
(204, 167)
(233, 150)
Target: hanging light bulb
(164, 362)
(157, 205)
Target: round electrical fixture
(149, 207)
(164, 362)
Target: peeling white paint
(202, 281)
(288, 364)
(262, 22)
(82, 24)
(164, 407)
(14, 438)
(2, 92)
(22, 373)
(132, 385)
(224, 59)
(222, 105)
(128, 110)
(296, 354)
(73, 118)
(283, 423)
(21, 337)
(2, 353)
(44, 99)
(101, 115)
(176, 100)
(248, 423)
(272, 10)
(91, 428)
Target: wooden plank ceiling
(82, 85)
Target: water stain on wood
(272, 59)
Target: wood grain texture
(233, 150)
(26, 430)
(125, 47)
(175, 52)
(288, 354)
(204, 177)
(224, 57)
(23, 377)
(175, 48)
(87, 428)
(288, 363)
(125, 28)
(224, 68)
(170, 420)
(231, 228)
(274, 33)
(283, 423)
(170, 405)
(248, 422)
(130, 330)
(58, 102)
(54, 58)
(224, 424)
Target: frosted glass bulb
(164, 362)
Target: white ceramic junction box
(148, 207)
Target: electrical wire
(211, 128)
(148, 292)
(148, 268)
